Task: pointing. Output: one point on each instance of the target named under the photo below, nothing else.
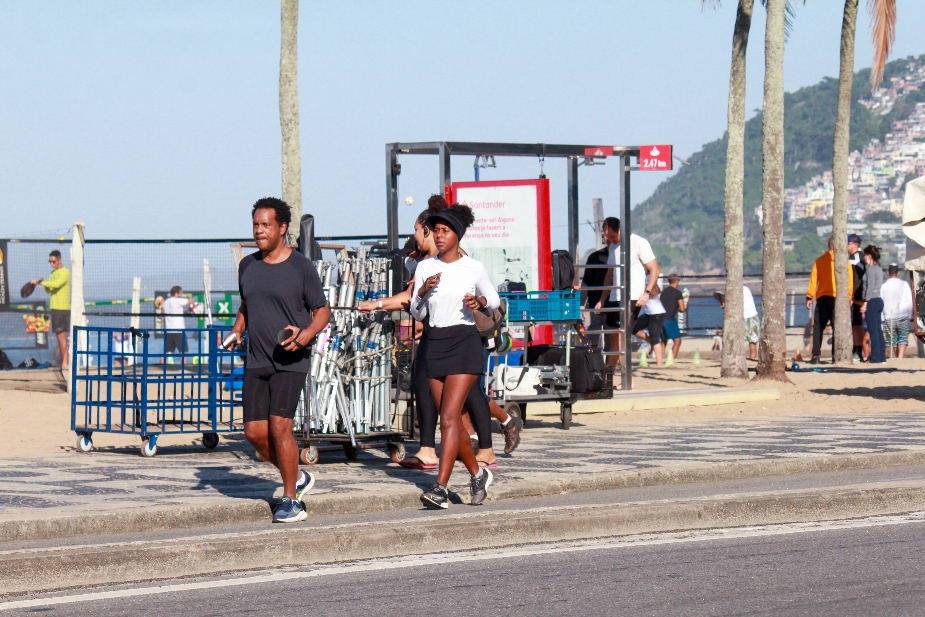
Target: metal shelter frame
(572, 154)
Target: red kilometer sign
(655, 158)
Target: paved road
(860, 567)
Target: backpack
(488, 321)
(587, 370)
(563, 270)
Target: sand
(38, 423)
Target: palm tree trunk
(772, 346)
(843, 338)
(733, 320)
(289, 111)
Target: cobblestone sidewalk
(118, 479)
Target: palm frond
(882, 35)
(715, 4)
(789, 16)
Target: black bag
(563, 270)
(307, 244)
(5, 363)
(587, 369)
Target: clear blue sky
(160, 119)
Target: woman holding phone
(447, 289)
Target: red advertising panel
(655, 158)
(511, 233)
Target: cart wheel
(397, 452)
(84, 443)
(148, 448)
(309, 455)
(351, 451)
(565, 414)
(210, 440)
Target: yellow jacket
(58, 286)
(822, 279)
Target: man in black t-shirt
(280, 290)
(594, 277)
(673, 301)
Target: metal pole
(573, 207)
(444, 156)
(627, 362)
(391, 195)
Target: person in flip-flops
(419, 247)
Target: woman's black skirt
(456, 350)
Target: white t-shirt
(444, 305)
(653, 307)
(640, 253)
(897, 299)
(748, 303)
(174, 308)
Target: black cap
(854, 238)
(411, 246)
(449, 217)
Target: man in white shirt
(897, 311)
(642, 264)
(649, 326)
(174, 308)
(752, 323)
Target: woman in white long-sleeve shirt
(447, 289)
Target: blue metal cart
(126, 381)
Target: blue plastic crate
(543, 305)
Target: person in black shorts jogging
(280, 290)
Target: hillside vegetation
(684, 216)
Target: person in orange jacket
(821, 289)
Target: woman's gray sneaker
(437, 497)
(478, 487)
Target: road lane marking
(411, 561)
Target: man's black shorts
(268, 392)
(60, 321)
(612, 319)
(651, 324)
(175, 341)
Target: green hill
(684, 216)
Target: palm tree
(733, 321)
(883, 33)
(772, 346)
(289, 110)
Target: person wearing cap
(821, 290)
(447, 289)
(58, 286)
(897, 311)
(856, 259)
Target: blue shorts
(670, 330)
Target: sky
(161, 119)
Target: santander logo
(654, 151)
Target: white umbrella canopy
(914, 211)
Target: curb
(217, 512)
(56, 568)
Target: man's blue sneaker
(305, 484)
(289, 511)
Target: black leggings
(428, 414)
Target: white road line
(503, 553)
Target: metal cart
(353, 398)
(121, 385)
(516, 386)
